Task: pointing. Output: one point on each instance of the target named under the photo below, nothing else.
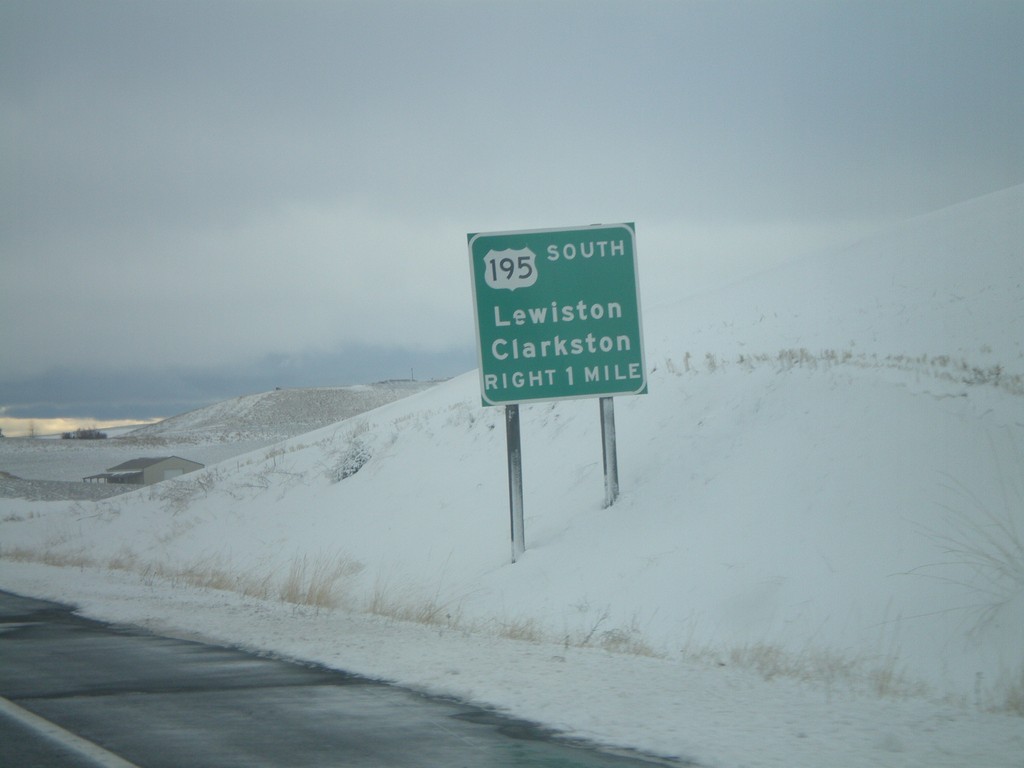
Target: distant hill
(278, 414)
(53, 469)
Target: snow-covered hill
(278, 414)
(817, 556)
(207, 435)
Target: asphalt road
(81, 693)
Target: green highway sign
(557, 313)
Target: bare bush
(352, 457)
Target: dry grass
(76, 559)
(428, 612)
(770, 661)
(526, 630)
(1014, 700)
(315, 581)
(628, 641)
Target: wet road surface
(119, 697)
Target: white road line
(54, 732)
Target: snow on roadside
(713, 715)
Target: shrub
(352, 458)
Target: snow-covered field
(817, 557)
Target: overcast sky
(205, 199)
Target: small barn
(145, 471)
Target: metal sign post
(611, 462)
(515, 480)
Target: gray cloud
(134, 393)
